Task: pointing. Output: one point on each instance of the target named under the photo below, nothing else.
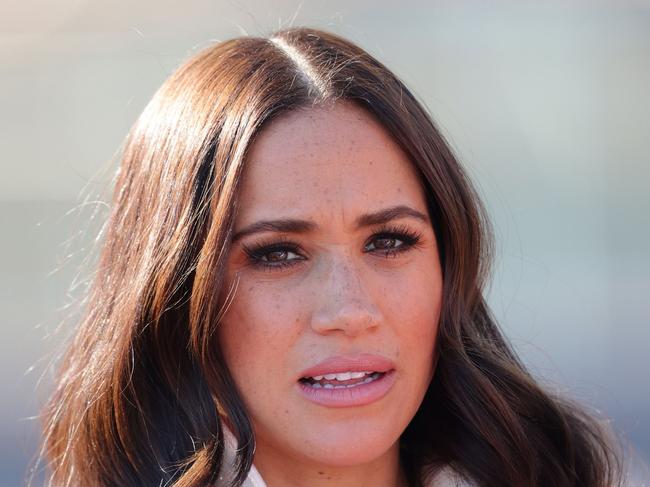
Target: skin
(341, 295)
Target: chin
(349, 446)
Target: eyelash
(257, 252)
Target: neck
(285, 471)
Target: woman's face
(336, 269)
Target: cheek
(413, 302)
(413, 308)
(257, 329)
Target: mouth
(343, 380)
(347, 381)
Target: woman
(292, 275)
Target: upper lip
(364, 362)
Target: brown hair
(140, 390)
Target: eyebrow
(290, 225)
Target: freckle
(321, 473)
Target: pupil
(386, 241)
(276, 253)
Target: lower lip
(360, 395)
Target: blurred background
(546, 103)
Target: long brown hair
(143, 385)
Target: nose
(344, 304)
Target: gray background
(546, 103)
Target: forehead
(321, 161)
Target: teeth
(371, 376)
(369, 379)
(341, 376)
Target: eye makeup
(388, 241)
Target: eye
(387, 243)
(273, 255)
(393, 240)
